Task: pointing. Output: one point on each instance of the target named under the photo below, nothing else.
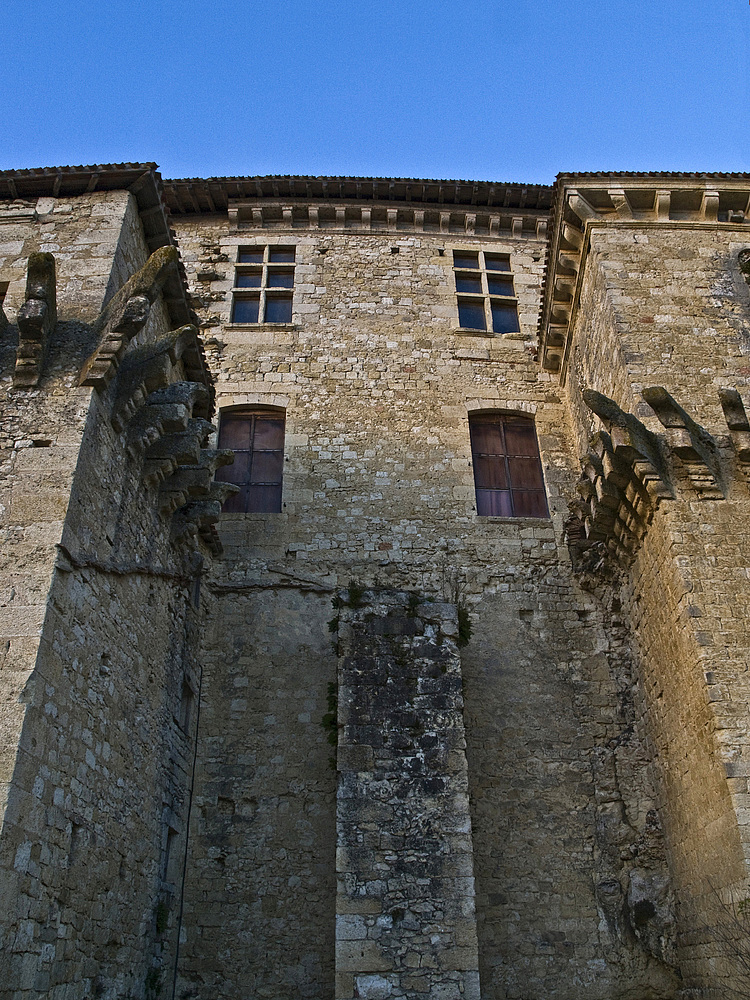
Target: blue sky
(507, 90)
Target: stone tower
(375, 574)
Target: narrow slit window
(507, 467)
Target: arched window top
(256, 436)
(507, 468)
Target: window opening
(257, 438)
(271, 298)
(507, 467)
(486, 299)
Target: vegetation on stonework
(161, 917)
(330, 721)
(453, 588)
(464, 624)
(153, 984)
(355, 594)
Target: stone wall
(184, 738)
(102, 609)
(668, 307)
(41, 429)
(377, 383)
(405, 915)
(261, 877)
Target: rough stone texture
(378, 488)
(405, 917)
(676, 316)
(170, 784)
(100, 627)
(260, 886)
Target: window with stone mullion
(270, 270)
(485, 293)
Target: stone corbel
(690, 442)
(634, 444)
(738, 424)
(126, 314)
(154, 366)
(623, 479)
(152, 422)
(192, 480)
(182, 448)
(37, 318)
(619, 199)
(200, 516)
(743, 259)
(618, 508)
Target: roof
(213, 194)
(59, 182)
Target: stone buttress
(405, 914)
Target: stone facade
(375, 744)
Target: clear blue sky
(507, 90)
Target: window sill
(523, 522)
(462, 331)
(261, 326)
(241, 515)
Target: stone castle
(375, 571)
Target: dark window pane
(250, 255)
(499, 286)
(465, 259)
(245, 311)
(486, 437)
(489, 472)
(263, 499)
(280, 279)
(525, 474)
(269, 432)
(497, 262)
(520, 437)
(234, 432)
(530, 504)
(494, 503)
(247, 279)
(279, 255)
(469, 283)
(267, 467)
(504, 317)
(471, 315)
(279, 309)
(238, 472)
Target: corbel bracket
(37, 318)
(738, 424)
(126, 314)
(690, 442)
(623, 481)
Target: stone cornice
(387, 217)
(585, 201)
